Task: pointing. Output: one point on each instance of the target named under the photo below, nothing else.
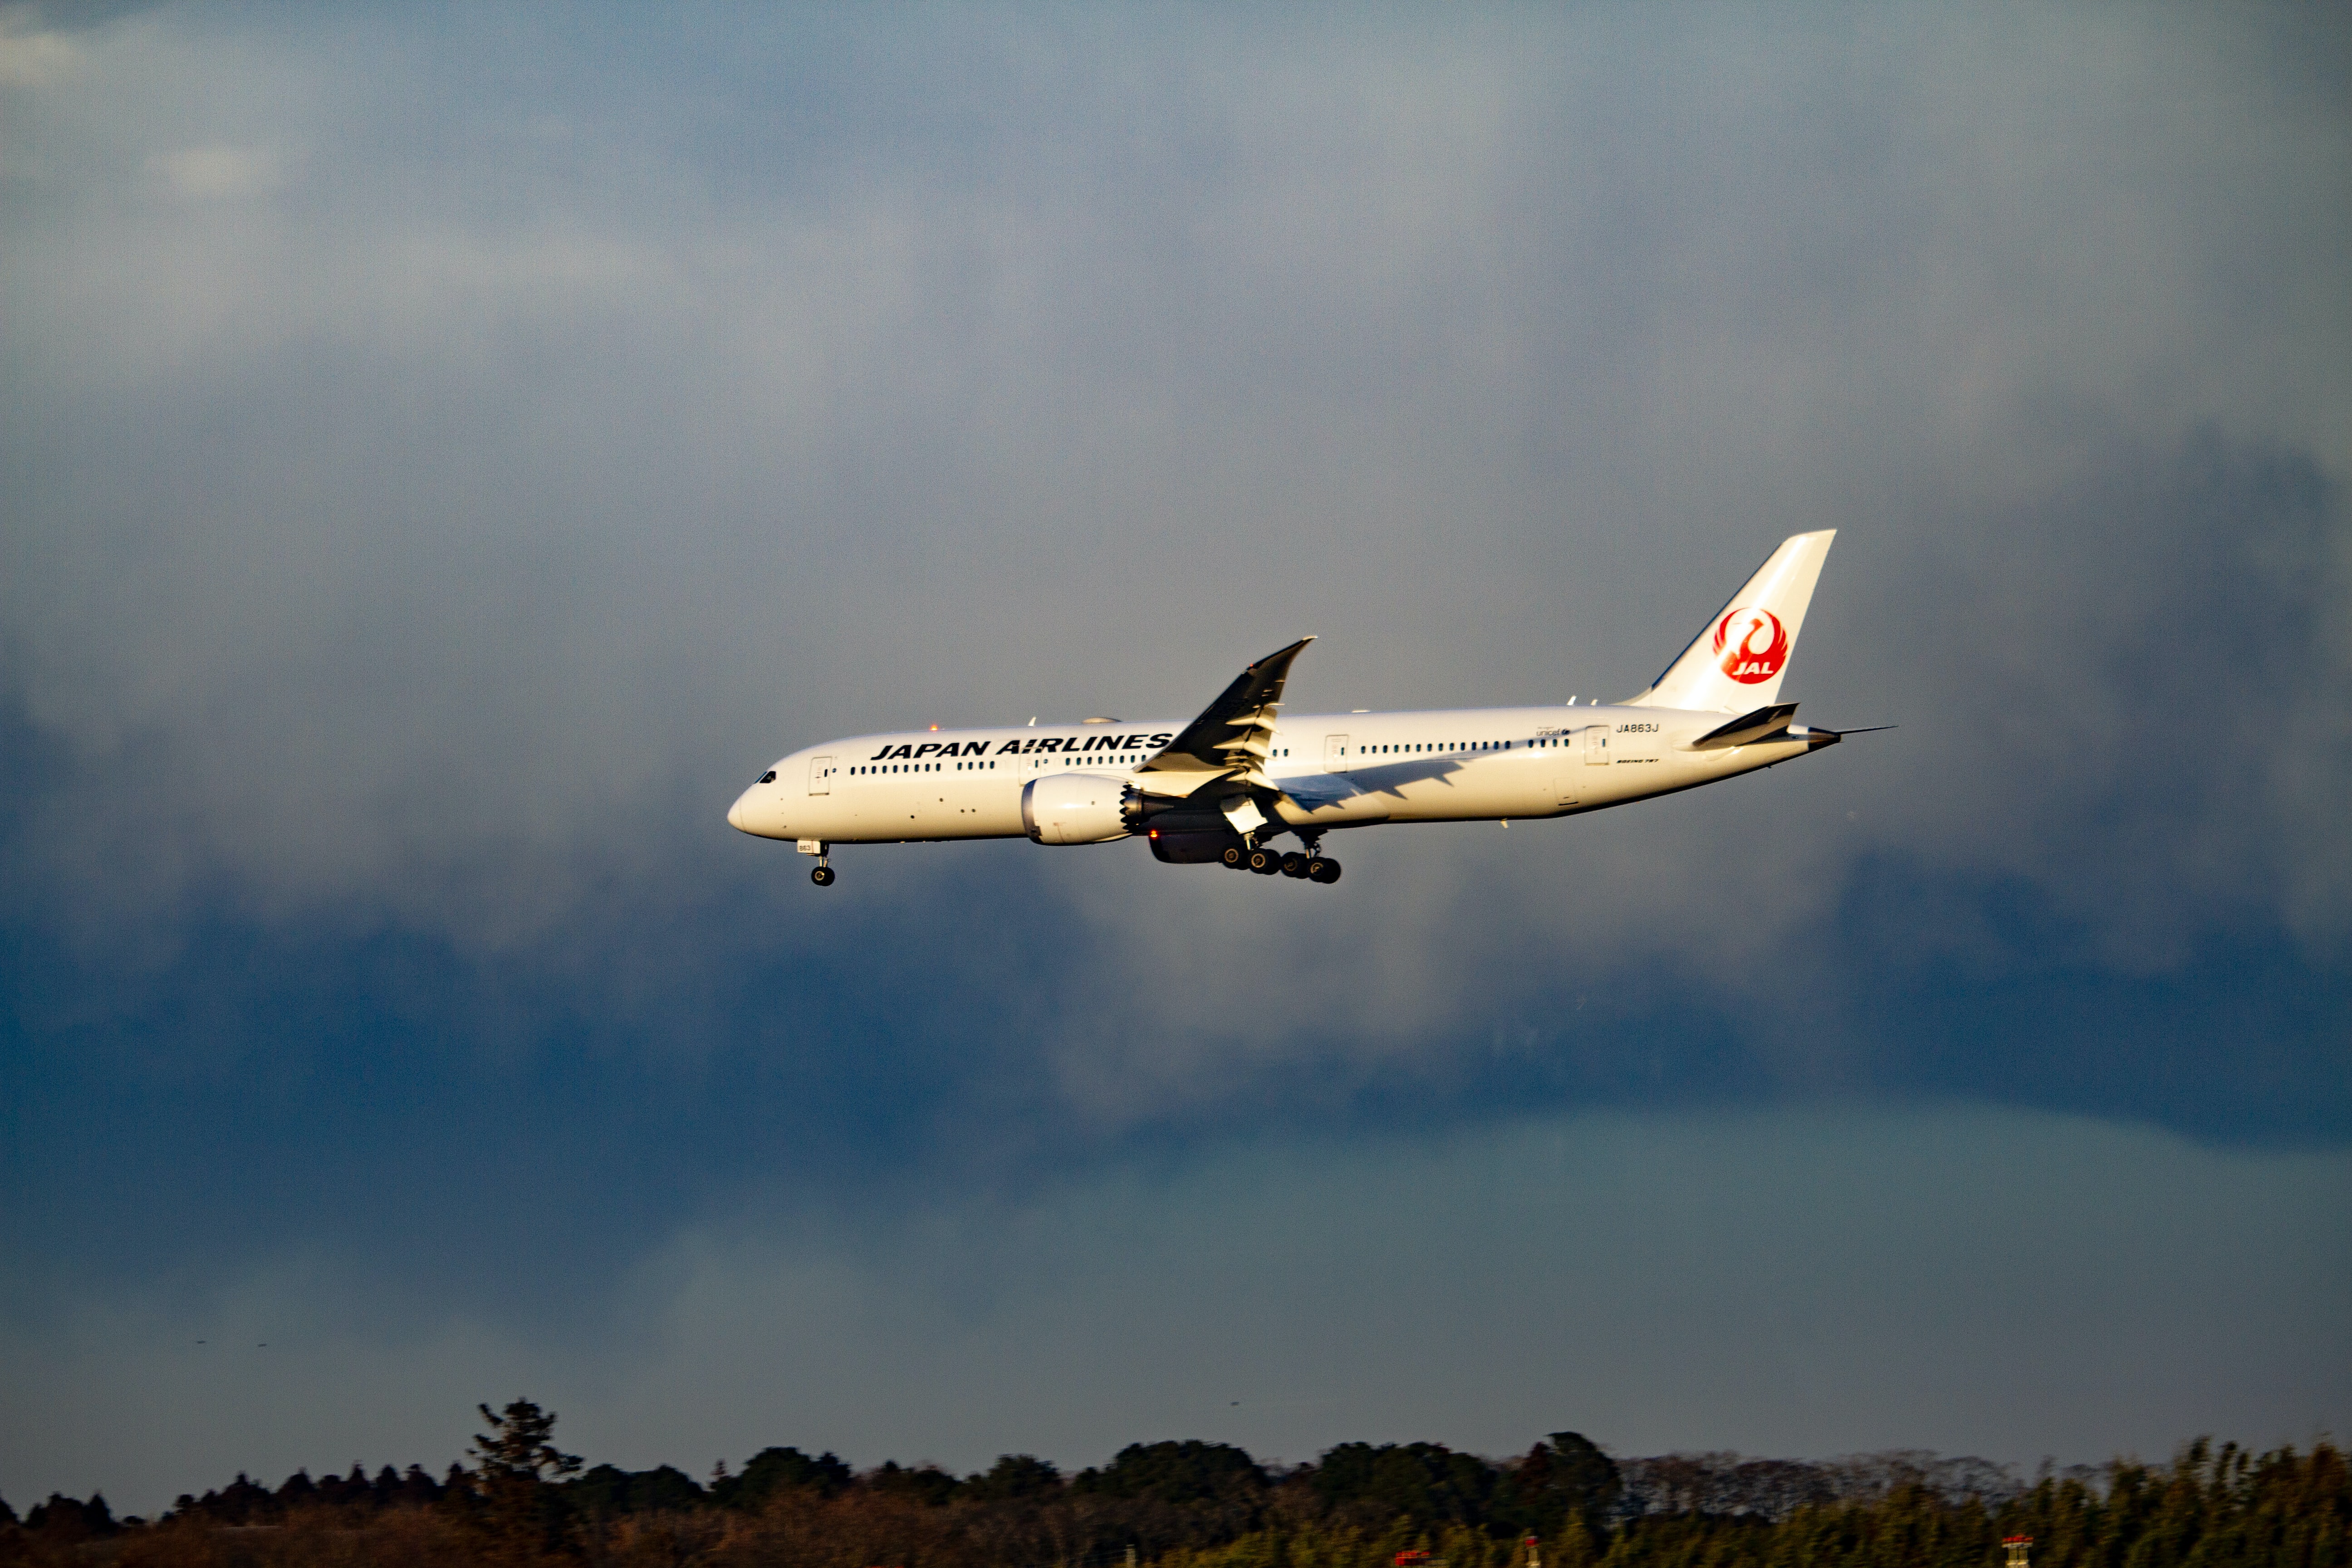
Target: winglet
(1233, 736)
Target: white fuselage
(1336, 770)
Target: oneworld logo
(1753, 644)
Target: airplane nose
(735, 813)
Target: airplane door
(1596, 745)
(820, 775)
(1560, 771)
(1335, 753)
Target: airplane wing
(1231, 740)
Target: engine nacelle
(1190, 847)
(1074, 808)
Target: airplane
(1217, 790)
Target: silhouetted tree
(599, 1491)
(926, 1484)
(607, 1491)
(1013, 1477)
(1584, 1480)
(1424, 1481)
(417, 1488)
(771, 1470)
(246, 1502)
(297, 1489)
(1180, 1474)
(352, 1490)
(514, 1462)
(64, 1521)
(2213, 1506)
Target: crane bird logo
(1753, 643)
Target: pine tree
(515, 1461)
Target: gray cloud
(1765, 1282)
(432, 505)
(442, 464)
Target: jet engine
(1074, 808)
(1190, 847)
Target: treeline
(1562, 1504)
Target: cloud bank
(445, 460)
(1466, 1287)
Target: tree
(1585, 1479)
(926, 1484)
(515, 1461)
(1181, 1474)
(65, 1522)
(608, 1492)
(1426, 1482)
(771, 1470)
(1012, 1476)
(416, 1487)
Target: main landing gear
(1266, 862)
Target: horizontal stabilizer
(1747, 729)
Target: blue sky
(447, 455)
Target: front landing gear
(822, 876)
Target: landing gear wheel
(1264, 862)
(1294, 864)
(822, 876)
(1319, 869)
(1233, 856)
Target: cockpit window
(768, 777)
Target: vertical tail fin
(1737, 661)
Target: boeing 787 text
(1224, 787)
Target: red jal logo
(1753, 643)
